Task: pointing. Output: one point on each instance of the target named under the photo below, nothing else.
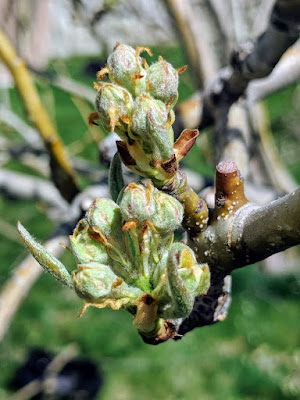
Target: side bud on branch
(127, 259)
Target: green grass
(254, 354)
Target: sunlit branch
(62, 171)
(252, 60)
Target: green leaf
(46, 260)
(115, 180)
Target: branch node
(229, 190)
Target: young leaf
(46, 260)
(116, 180)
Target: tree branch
(28, 133)
(250, 235)
(239, 233)
(252, 61)
(17, 185)
(38, 160)
(204, 60)
(62, 171)
(285, 73)
(266, 151)
(70, 86)
(265, 230)
(223, 12)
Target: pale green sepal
(115, 179)
(158, 274)
(46, 260)
(204, 283)
(114, 104)
(160, 138)
(196, 277)
(105, 220)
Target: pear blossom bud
(125, 69)
(113, 104)
(84, 248)
(162, 82)
(150, 123)
(169, 213)
(94, 281)
(138, 202)
(104, 218)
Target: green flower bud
(104, 216)
(178, 279)
(84, 248)
(94, 281)
(98, 282)
(169, 213)
(162, 82)
(149, 122)
(147, 203)
(114, 104)
(145, 105)
(196, 279)
(125, 69)
(138, 202)
(105, 220)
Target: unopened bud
(105, 219)
(169, 213)
(138, 202)
(150, 124)
(94, 281)
(125, 68)
(162, 82)
(113, 104)
(84, 248)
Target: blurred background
(255, 352)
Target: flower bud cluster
(125, 252)
(138, 105)
(131, 253)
